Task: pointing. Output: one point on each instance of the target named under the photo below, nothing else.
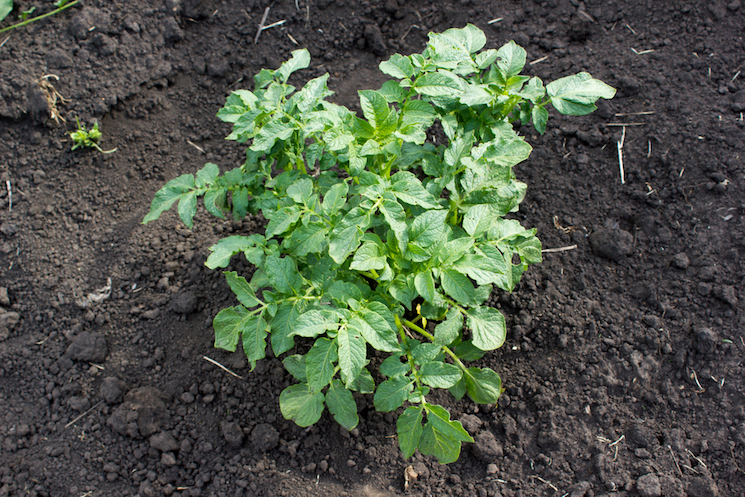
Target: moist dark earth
(623, 365)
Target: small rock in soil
(375, 40)
(141, 414)
(58, 59)
(232, 433)
(184, 302)
(681, 261)
(264, 437)
(486, 447)
(649, 486)
(706, 340)
(612, 243)
(8, 321)
(88, 347)
(579, 489)
(471, 423)
(4, 299)
(164, 442)
(703, 487)
(728, 294)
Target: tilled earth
(623, 364)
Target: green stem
(431, 338)
(37, 18)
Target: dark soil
(623, 364)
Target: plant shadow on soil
(623, 363)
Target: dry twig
(221, 367)
(261, 25)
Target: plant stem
(37, 18)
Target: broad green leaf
(283, 323)
(425, 352)
(471, 38)
(438, 84)
(228, 324)
(283, 274)
(484, 386)
(482, 269)
(295, 365)
(254, 339)
(301, 191)
(428, 227)
(376, 324)
(418, 112)
(368, 256)
(270, 133)
(467, 351)
(341, 405)
(301, 405)
(476, 95)
(319, 363)
(187, 208)
(335, 198)
(215, 200)
(346, 292)
(170, 193)
(576, 95)
(458, 286)
(440, 374)
(364, 382)
(441, 436)
(207, 175)
(453, 250)
(425, 285)
(226, 248)
(347, 234)
(374, 107)
(242, 289)
(402, 288)
(371, 147)
(408, 188)
(307, 239)
(486, 58)
(300, 60)
(240, 203)
(352, 352)
(231, 113)
(395, 216)
(392, 393)
(540, 118)
(6, 6)
(449, 330)
(314, 322)
(409, 429)
(393, 92)
(511, 59)
(311, 94)
(478, 220)
(393, 367)
(488, 327)
(397, 66)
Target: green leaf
(215, 200)
(467, 351)
(301, 191)
(441, 436)
(364, 382)
(226, 248)
(484, 386)
(187, 208)
(6, 6)
(240, 203)
(307, 239)
(242, 289)
(438, 84)
(392, 367)
(511, 59)
(486, 58)
(425, 285)
(483, 269)
(283, 274)
(395, 216)
(576, 95)
(374, 107)
(283, 323)
(408, 188)
(427, 228)
(335, 199)
(397, 66)
(478, 220)
(449, 330)
(295, 365)
(377, 325)
(402, 288)
(392, 393)
(254, 339)
(440, 374)
(346, 292)
(458, 286)
(319, 363)
(471, 38)
(229, 324)
(476, 95)
(270, 133)
(341, 405)
(368, 256)
(425, 352)
(352, 352)
(300, 60)
(488, 327)
(409, 429)
(314, 322)
(347, 234)
(170, 193)
(311, 94)
(301, 405)
(207, 175)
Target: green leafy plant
(84, 138)
(6, 6)
(385, 237)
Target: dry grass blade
(52, 96)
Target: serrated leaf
(314, 322)
(341, 405)
(207, 175)
(425, 285)
(187, 208)
(397, 66)
(449, 330)
(242, 290)
(488, 327)
(283, 274)
(409, 429)
(368, 256)
(300, 60)
(347, 234)
(392, 393)
(484, 386)
(168, 194)
(408, 188)
(478, 220)
(376, 324)
(295, 365)
(301, 405)
(576, 95)
(352, 352)
(458, 286)
(511, 59)
(440, 374)
(319, 363)
(229, 324)
(393, 367)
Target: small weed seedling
(6, 6)
(83, 138)
(382, 247)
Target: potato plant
(381, 241)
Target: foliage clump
(381, 241)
